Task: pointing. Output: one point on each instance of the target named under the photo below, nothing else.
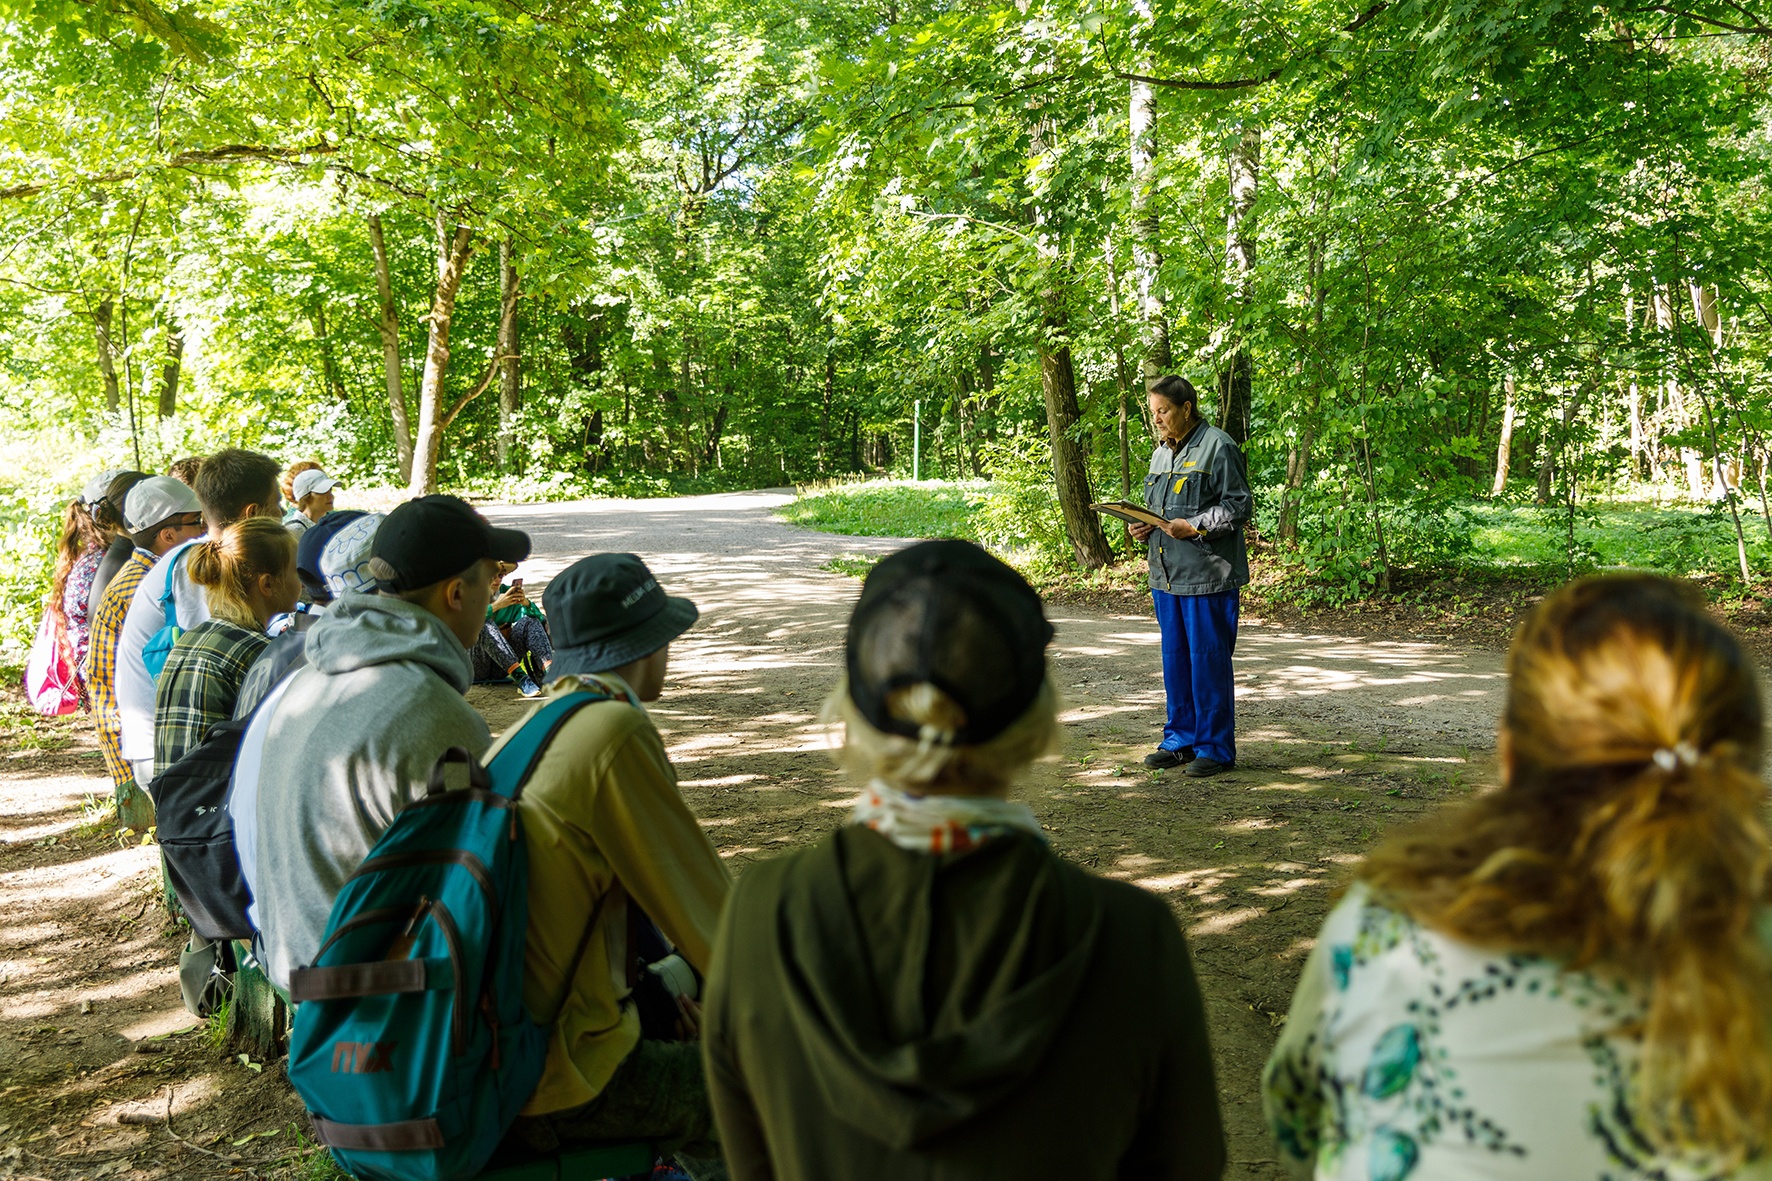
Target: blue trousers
(1199, 634)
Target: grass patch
(98, 816)
(854, 565)
(891, 508)
(1686, 542)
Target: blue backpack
(411, 1046)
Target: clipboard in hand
(1132, 513)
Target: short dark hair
(1177, 389)
(230, 480)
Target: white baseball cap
(344, 563)
(97, 486)
(311, 481)
(156, 499)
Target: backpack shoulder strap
(516, 760)
(168, 603)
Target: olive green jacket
(879, 1013)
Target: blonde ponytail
(228, 567)
(1627, 838)
(931, 762)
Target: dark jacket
(1204, 482)
(879, 1013)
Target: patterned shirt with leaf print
(1412, 1055)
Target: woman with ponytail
(77, 556)
(1565, 977)
(248, 576)
(931, 991)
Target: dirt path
(1339, 738)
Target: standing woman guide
(1198, 482)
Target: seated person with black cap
(605, 823)
(353, 736)
(930, 991)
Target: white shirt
(135, 688)
(1412, 1055)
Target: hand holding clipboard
(1143, 520)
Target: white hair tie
(1670, 758)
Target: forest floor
(1343, 732)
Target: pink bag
(51, 682)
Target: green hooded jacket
(879, 1013)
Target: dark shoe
(1162, 760)
(1202, 768)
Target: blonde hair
(226, 568)
(930, 762)
(1626, 838)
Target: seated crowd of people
(1567, 976)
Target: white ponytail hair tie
(1670, 758)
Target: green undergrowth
(1522, 546)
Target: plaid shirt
(101, 661)
(200, 685)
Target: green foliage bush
(1018, 511)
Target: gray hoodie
(351, 742)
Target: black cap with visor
(948, 614)
(432, 538)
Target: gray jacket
(351, 742)
(1204, 482)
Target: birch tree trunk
(1147, 258)
(1235, 380)
(510, 385)
(1504, 449)
(388, 323)
(1704, 309)
(102, 318)
(1113, 286)
(455, 247)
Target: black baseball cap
(432, 538)
(608, 610)
(313, 542)
(948, 614)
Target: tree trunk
(455, 247)
(1058, 382)
(827, 398)
(258, 1020)
(1147, 257)
(389, 325)
(1120, 377)
(107, 354)
(1547, 467)
(1298, 470)
(329, 374)
(510, 383)
(1235, 380)
(1504, 449)
(169, 372)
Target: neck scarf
(939, 824)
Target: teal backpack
(159, 647)
(411, 1047)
